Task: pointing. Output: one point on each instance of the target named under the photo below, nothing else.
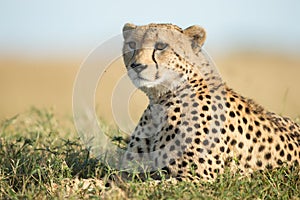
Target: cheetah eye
(160, 46)
(132, 45)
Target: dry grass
(40, 159)
(272, 80)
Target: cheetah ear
(197, 35)
(127, 29)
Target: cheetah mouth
(147, 80)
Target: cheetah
(195, 126)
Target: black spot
(259, 163)
(239, 157)
(270, 140)
(177, 109)
(220, 106)
(228, 151)
(218, 97)
(222, 117)
(183, 95)
(189, 129)
(208, 96)
(269, 166)
(194, 112)
(190, 154)
(250, 128)
(267, 156)
(227, 105)
(168, 138)
(248, 136)
(223, 130)
(231, 127)
(172, 161)
(279, 162)
(261, 148)
(231, 99)
(197, 141)
(247, 166)
(248, 158)
(216, 140)
(147, 141)
(233, 142)
(199, 150)
(247, 110)
(277, 147)
(250, 149)
(193, 95)
(231, 114)
(240, 107)
(291, 147)
(240, 129)
(131, 144)
(195, 118)
(214, 108)
(197, 125)
(185, 123)
(184, 164)
(206, 131)
(204, 108)
(289, 157)
(222, 149)
(245, 120)
(241, 145)
(195, 104)
(227, 139)
(281, 153)
(258, 134)
(256, 123)
(140, 150)
(201, 160)
(188, 140)
(205, 142)
(262, 118)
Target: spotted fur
(195, 125)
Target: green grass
(40, 158)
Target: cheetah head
(157, 55)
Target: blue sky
(71, 26)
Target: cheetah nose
(138, 67)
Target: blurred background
(255, 44)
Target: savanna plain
(42, 156)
